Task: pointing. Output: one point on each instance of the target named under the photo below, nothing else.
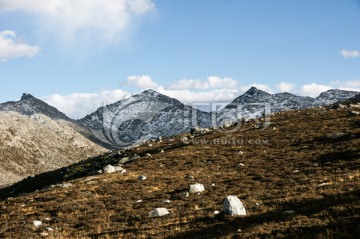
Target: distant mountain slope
(35, 144)
(255, 102)
(333, 96)
(29, 105)
(142, 116)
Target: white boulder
(109, 169)
(196, 188)
(37, 223)
(233, 206)
(159, 212)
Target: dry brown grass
(267, 185)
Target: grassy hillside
(298, 178)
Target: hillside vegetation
(298, 178)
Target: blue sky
(78, 55)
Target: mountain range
(151, 114)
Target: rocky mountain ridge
(29, 105)
(152, 115)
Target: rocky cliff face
(35, 144)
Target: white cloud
(285, 87)
(78, 105)
(71, 20)
(350, 54)
(11, 47)
(352, 85)
(142, 82)
(190, 97)
(212, 82)
(313, 89)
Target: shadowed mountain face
(143, 116)
(151, 114)
(29, 105)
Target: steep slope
(29, 105)
(34, 144)
(298, 178)
(140, 117)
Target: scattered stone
(233, 206)
(324, 184)
(354, 106)
(135, 157)
(355, 112)
(49, 229)
(44, 234)
(195, 130)
(241, 165)
(139, 201)
(150, 145)
(166, 201)
(196, 188)
(148, 155)
(118, 168)
(342, 106)
(216, 212)
(213, 185)
(226, 124)
(142, 177)
(37, 223)
(100, 171)
(62, 185)
(162, 151)
(296, 171)
(124, 160)
(123, 171)
(109, 169)
(240, 152)
(159, 212)
(260, 125)
(185, 140)
(189, 177)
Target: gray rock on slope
(233, 206)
